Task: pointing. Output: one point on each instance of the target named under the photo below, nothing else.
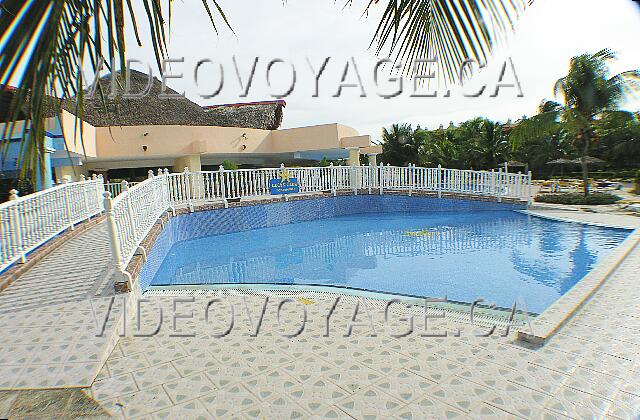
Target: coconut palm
(399, 147)
(486, 144)
(46, 43)
(589, 93)
(441, 148)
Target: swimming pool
(398, 245)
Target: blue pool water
(498, 255)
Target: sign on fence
(284, 185)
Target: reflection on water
(496, 255)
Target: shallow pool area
(398, 245)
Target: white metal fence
(30, 221)
(131, 214)
(115, 188)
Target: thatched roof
(151, 109)
(102, 111)
(266, 115)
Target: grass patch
(578, 198)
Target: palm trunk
(585, 166)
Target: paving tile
(354, 376)
(625, 406)
(127, 364)
(487, 411)
(9, 375)
(188, 388)
(144, 402)
(598, 384)
(114, 386)
(76, 374)
(573, 403)
(277, 408)
(417, 409)
(369, 403)
(37, 376)
(519, 400)
(160, 355)
(314, 396)
(461, 393)
(539, 378)
(193, 410)
(310, 368)
(155, 375)
(267, 384)
(195, 363)
(229, 402)
(230, 374)
(404, 385)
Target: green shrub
(229, 166)
(577, 198)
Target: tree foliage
(588, 122)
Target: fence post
(114, 240)
(83, 183)
(492, 183)
(381, 178)
(187, 184)
(67, 202)
(499, 185)
(222, 186)
(410, 174)
(439, 180)
(127, 198)
(167, 185)
(530, 192)
(332, 179)
(282, 169)
(16, 227)
(354, 178)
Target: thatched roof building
(153, 109)
(265, 115)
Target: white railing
(115, 188)
(135, 210)
(30, 221)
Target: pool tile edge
(549, 322)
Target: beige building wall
(318, 137)
(162, 141)
(80, 138)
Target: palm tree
(399, 147)
(46, 43)
(589, 94)
(441, 148)
(486, 144)
(535, 147)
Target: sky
(301, 31)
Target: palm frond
(44, 46)
(450, 31)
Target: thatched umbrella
(590, 161)
(560, 162)
(514, 164)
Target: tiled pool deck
(590, 368)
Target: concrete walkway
(591, 369)
(48, 317)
